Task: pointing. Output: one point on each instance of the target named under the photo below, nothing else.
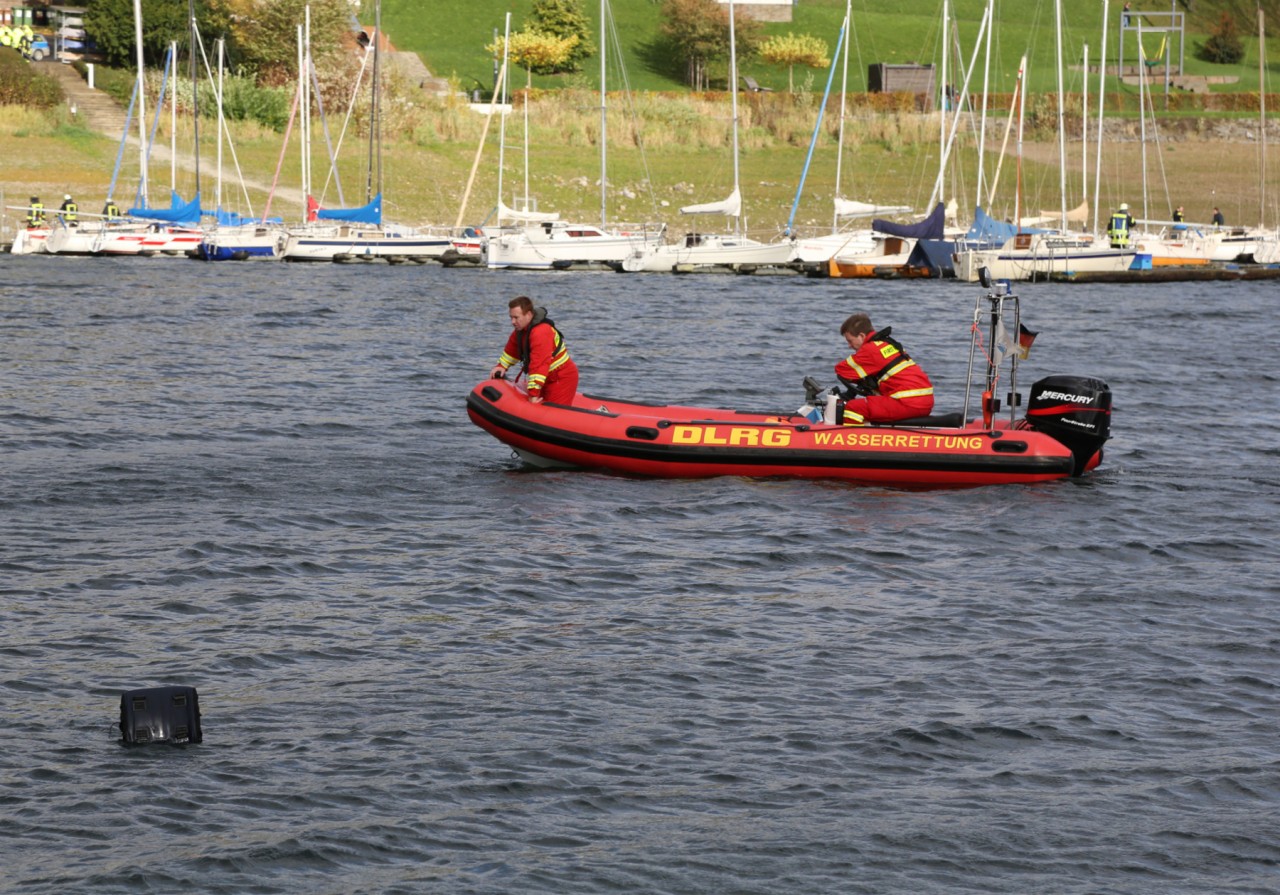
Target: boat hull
(688, 442)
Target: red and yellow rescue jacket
(881, 362)
(540, 350)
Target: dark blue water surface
(423, 668)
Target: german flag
(1025, 338)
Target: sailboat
(884, 248)
(1031, 254)
(341, 234)
(545, 242)
(733, 251)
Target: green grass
(451, 41)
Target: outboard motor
(1076, 410)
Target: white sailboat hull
(1032, 256)
(558, 245)
(343, 242)
(30, 241)
(711, 251)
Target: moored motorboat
(1061, 435)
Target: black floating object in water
(160, 715)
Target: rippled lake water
(423, 668)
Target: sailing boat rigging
(340, 234)
(727, 251)
(546, 242)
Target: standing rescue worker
(539, 348)
(68, 210)
(1178, 216)
(111, 211)
(894, 387)
(35, 213)
(1121, 225)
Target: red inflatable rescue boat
(1061, 435)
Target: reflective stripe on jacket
(882, 359)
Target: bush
(1223, 46)
(23, 84)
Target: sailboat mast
(733, 93)
(1022, 104)
(1262, 117)
(375, 123)
(142, 106)
(982, 119)
(604, 139)
(195, 91)
(1102, 80)
(1062, 115)
(846, 38)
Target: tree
(1223, 45)
(699, 33)
(793, 50)
(535, 51)
(264, 34)
(563, 19)
(164, 21)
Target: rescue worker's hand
(535, 399)
(498, 372)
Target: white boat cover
(510, 214)
(851, 208)
(731, 207)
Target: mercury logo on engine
(732, 436)
(1063, 396)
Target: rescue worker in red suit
(893, 386)
(537, 345)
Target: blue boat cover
(366, 214)
(988, 230)
(932, 227)
(235, 219)
(178, 212)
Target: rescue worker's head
(1124, 206)
(856, 329)
(66, 197)
(520, 311)
(35, 200)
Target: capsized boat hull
(687, 442)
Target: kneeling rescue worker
(892, 385)
(538, 347)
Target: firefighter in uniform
(68, 210)
(35, 213)
(537, 345)
(1178, 216)
(892, 386)
(111, 211)
(1121, 224)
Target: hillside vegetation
(452, 40)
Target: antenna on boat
(1000, 344)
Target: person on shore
(1218, 219)
(1121, 225)
(35, 213)
(537, 345)
(892, 386)
(68, 210)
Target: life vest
(896, 361)
(35, 214)
(1119, 229)
(69, 210)
(559, 354)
